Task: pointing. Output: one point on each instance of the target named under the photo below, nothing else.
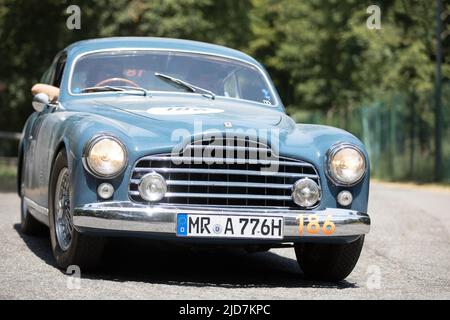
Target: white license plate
(221, 226)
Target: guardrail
(8, 161)
(10, 135)
(8, 164)
(8, 146)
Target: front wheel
(69, 246)
(328, 262)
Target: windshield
(143, 69)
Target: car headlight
(105, 156)
(346, 164)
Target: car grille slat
(222, 183)
(234, 173)
(200, 160)
(225, 171)
(225, 196)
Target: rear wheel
(328, 262)
(69, 246)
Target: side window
(59, 69)
(49, 74)
(46, 76)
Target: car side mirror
(40, 100)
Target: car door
(39, 140)
(29, 151)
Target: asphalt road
(406, 256)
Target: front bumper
(160, 220)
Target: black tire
(29, 224)
(83, 251)
(328, 262)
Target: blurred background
(389, 86)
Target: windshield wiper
(185, 85)
(100, 89)
(115, 88)
(143, 90)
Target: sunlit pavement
(406, 255)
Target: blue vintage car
(186, 142)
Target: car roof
(84, 46)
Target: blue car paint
(81, 117)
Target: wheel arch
(59, 147)
(62, 145)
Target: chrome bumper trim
(131, 217)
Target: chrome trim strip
(213, 147)
(218, 195)
(42, 210)
(226, 160)
(226, 171)
(255, 144)
(264, 74)
(38, 211)
(226, 196)
(131, 217)
(222, 184)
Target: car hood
(182, 112)
(157, 124)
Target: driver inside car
(98, 73)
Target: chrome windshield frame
(262, 72)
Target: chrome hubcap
(63, 217)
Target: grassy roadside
(7, 177)
(415, 185)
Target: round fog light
(345, 198)
(306, 192)
(152, 187)
(105, 191)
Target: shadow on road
(140, 260)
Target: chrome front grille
(232, 176)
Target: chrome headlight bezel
(329, 170)
(88, 148)
(142, 190)
(319, 189)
